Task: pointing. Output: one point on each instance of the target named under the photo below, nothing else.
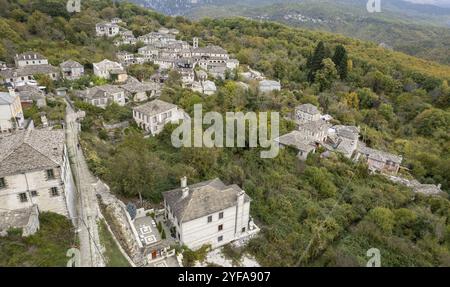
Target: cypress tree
(315, 62)
(340, 59)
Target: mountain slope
(418, 30)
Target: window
(54, 191)
(243, 229)
(34, 193)
(50, 174)
(23, 197)
(2, 182)
(221, 215)
(209, 218)
(220, 227)
(220, 238)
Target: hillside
(327, 211)
(419, 30)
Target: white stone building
(35, 170)
(11, 113)
(101, 96)
(154, 115)
(29, 59)
(307, 113)
(107, 69)
(107, 29)
(209, 212)
(71, 70)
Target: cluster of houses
(314, 130)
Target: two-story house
(35, 170)
(101, 96)
(379, 161)
(11, 114)
(71, 70)
(29, 59)
(307, 113)
(107, 29)
(154, 115)
(107, 69)
(208, 212)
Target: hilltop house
(154, 115)
(107, 29)
(71, 70)
(298, 141)
(29, 59)
(35, 170)
(307, 113)
(317, 130)
(11, 114)
(208, 212)
(379, 161)
(110, 70)
(138, 92)
(101, 96)
(343, 139)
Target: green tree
(340, 59)
(315, 62)
(326, 75)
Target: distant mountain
(420, 30)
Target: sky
(434, 2)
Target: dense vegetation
(326, 211)
(46, 248)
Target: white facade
(29, 59)
(103, 68)
(107, 29)
(154, 123)
(11, 113)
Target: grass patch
(45, 248)
(232, 253)
(112, 253)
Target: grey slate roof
(30, 55)
(70, 65)
(154, 107)
(379, 155)
(31, 150)
(204, 198)
(298, 140)
(308, 108)
(29, 70)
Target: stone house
(379, 161)
(101, 96)
(107, 69)
(107, 29)
(11, 113)
(154, 115)
(343, 139)
(210, 52)
(31, 94)
(317, 130)
(307, 113)
(208, 213)
(25, 75)
(298, 141)
(35, 170)
(29, 59)
(71, 70)
(138, 92)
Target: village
(41, 164)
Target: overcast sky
(435, 2)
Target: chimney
(184, 187)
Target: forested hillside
(322, 212)
(419, 30)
